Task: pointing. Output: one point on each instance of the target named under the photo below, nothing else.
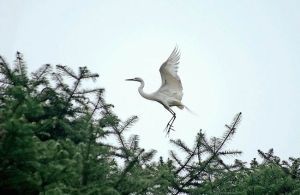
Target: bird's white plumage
(171, 84)
(170, 92)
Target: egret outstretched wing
(170, 92)
(171, 84)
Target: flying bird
(170, 92)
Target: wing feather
(171, 83)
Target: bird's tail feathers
(190, 111)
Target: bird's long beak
(129, 79)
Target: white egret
(170, 92)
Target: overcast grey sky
(236, 56)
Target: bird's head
(138, 79)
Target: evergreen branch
(6, 71)
(128, 168)
(239, 164)
(85, 73)
(83, 106)
(147, 156)
(41, 72)
(80, 110)
(77, 82)
(236, 152)
(78, 97)
(207, 146)
(199, 152)
(174, 156)
(267, 157)
(21, 67)
(189, 158)
(107, 145)
(223, 164)
(134, 141)
(97, 103)
(215, 142)
(233, 127)
(121, 140)
(262, 155)
(199, 140)
(40, 76)
(128, 123)
(120, 155)
(181, 145)
(58, 78)
(90, 91)
(67, 71)
(107, 132)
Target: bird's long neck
(141, 91)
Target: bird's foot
(168, 128)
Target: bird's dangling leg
(169, 126)
(171, 123)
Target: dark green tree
(56, 137)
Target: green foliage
(55, 138)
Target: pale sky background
(236, 56)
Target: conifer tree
(56, 138)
